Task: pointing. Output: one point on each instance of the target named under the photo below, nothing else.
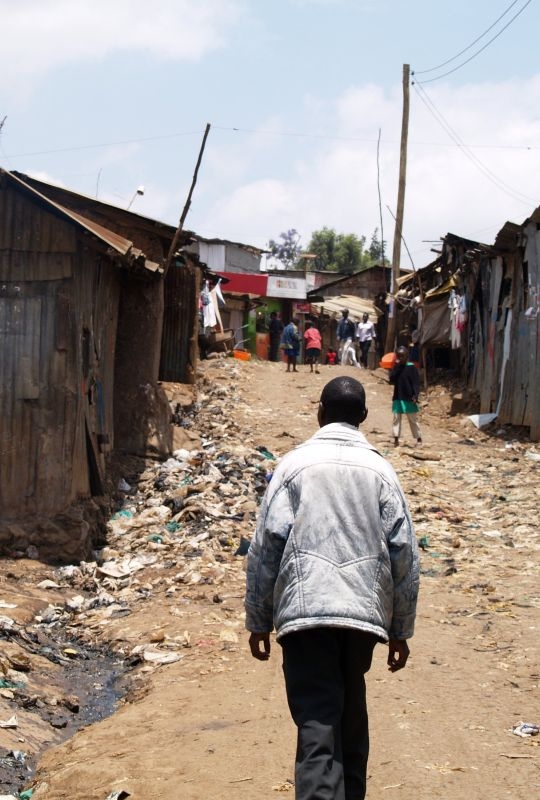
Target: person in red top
(312, 338)
(331, 356)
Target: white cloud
(335, 183)
(39, 36)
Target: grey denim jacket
(334, 544)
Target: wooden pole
(176, 237)
(391, 332)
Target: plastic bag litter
(12, 722)
(480, 420)
(526, 729)
(159, 657)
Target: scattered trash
(243, 547)
(286, 786)
(12, 722)
(160, 657)
(526, 729)
(121, 795)
(532, 456)
(48, 584)
(481, 420)
(123, 486)
(266, 453)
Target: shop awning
(357, 306)
(245, 283)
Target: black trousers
(275, 340)
(364, 350)
(324, 676)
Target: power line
(449, 61)
(103, 144)
(438, 116)
(477, 53)
(77, 148)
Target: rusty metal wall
(179, 352)
(507, 308)
(48, 322)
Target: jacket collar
(344, 432)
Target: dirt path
(215, 723)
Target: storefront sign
(293, 288)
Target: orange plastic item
(242, 355)
(388, 361)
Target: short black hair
(344, 400)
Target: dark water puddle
(89, 685)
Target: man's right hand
(398, 653)
(255, 642)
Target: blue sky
(296, 92)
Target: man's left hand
(255, 642)
(398, 653)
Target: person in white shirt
(365, 333)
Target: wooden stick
(179, 229)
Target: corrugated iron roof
(358, 306)
(113, 240)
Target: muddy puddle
(90, 684)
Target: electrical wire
(490, 41)
(449, 60)
(103, 144)
(77, 148)
(438, 116)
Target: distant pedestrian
(365, 333)
(312, 339)
(334, 568)
(346, 334)
(275, 329)
(290, 342)
(406, 380)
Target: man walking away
(365, 333)
(333, 567)
(406, 380)
(345, 334)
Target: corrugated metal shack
(81, 312)
(482, 303)
(172, 304)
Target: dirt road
(214, 724)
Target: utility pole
(391, 333)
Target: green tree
(288, 249)
(337, 252)
(377, 249)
